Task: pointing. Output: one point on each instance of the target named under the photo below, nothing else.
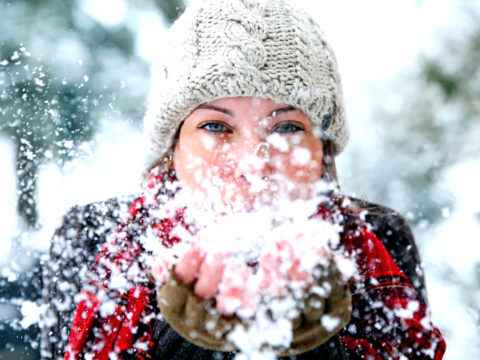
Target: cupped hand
(243, 294)
(236, 286)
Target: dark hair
(329, 169)
(167, 159)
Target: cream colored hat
(228, 48)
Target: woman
(245, 117)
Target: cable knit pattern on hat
(229, 48)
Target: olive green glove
(322, 314)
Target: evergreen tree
(51, 102)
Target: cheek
(301, 165)
(200, 167)
(189, 162)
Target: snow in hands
(265, 267)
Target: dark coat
(81, 235)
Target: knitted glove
(324, 309)
(322, 317)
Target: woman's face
(248, 151)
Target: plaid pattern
(109, 316)
(389, 321)
(117, 306)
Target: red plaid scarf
(117, 307)
(116, 312)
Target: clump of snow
(301, 156)
(282, 231)
(265, 331)
(330, 322)
(278, 142)
(31, 313)
(409, 311)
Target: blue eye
(287, 127)
(215, 127)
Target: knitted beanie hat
(230, 48)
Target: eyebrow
(274, 113)
(216, 108)
(282, 111)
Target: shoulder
(74, 246)
(93, 213)
(384, 220)
(90, 222)
(83, 230)
(396, 235)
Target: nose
(253, 159)
(262, 150)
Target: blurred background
(74, 76)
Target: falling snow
(77, 163)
